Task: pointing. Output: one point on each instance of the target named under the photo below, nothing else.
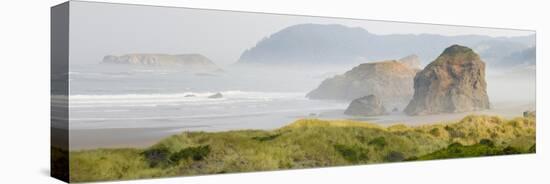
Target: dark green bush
(266, 138)
(413, 158)
(395, 156)
(487, 142)
(457, 150)
(435, 132)
(195, 153)
(353, 154)
(454, 133)
(510, 151)
(455, 144)
(379, 141)
(161, 157)
(156, 156)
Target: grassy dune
(306, 143)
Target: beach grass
(306, 143)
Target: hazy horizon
(99, 29)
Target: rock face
(366, 106)
(454, 82)
(391, 81)
(187, 61)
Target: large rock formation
(412, 61)
(454, 82)
(391, 81)
(366, 106)
(187, 61)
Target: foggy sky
(99, 29)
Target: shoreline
(106, 138)
(87, 139)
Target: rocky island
(454, 82)
(391, 81)
(366, 106)
(186, 61)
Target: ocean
(107, 96)
(133, 106)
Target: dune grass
(306, 143)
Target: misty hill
(186, 61)
(523, 57)
(391, 81)
(330, 44)
(454, 82)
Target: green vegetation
(395, 156)
(266, 138)
(354, 153)
(483, 148)
(163, 157)
(379, 141)
(306, 143)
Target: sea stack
(391, 81)
(366, 106)
(454, 82)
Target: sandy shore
(505, 110)
(118, 137)
(144, 137)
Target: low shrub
(157, 156)
(395, 156)
(509, 150)
(487, 142)
(266, 138)
(379, 141)
(455, 133)
(195, 153)
(353, 154)
(435, 132)
(162, 157)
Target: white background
(24, 90)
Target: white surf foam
(188, 98)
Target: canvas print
(148, 91)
